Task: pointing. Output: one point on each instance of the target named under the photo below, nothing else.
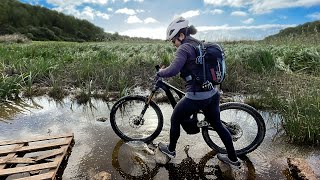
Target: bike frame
(166, 87)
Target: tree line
(42, 24)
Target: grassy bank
(285, 77)
(110, 67)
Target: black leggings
(210, 107)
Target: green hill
(39, 23)
(309, 31)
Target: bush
(306, 60)
(14, 38)
(7, 29)
(10, 86)
(43, 34)
(261, 61)
(301, 117)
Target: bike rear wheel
(132, 119)
(245, 125)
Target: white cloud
(216, 11)
(238, 13)
(126, 11)
(87, 13)
(68, 10)
(103, 15)
(102, 2)
(267, 6)
(133, 0)
(154, 33)
(80, 2)
(75, 3)
(140, 10)
(248, 21)
(133, 19)
(227, 27)
(315, 16)
(150, 20)
(65, 3)
(263, 6)
(35, 2)
(232, 3)
(190, 14)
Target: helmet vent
(171, 31)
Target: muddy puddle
(97, 148)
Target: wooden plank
(10, 155)
(33, 148)
(17, 160)
(29, 168)
(53, 167)
(59, 158)
(44, 176)
(10, 142)
(45, 156)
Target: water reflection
(9, 109)
(135, 160)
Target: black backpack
(211, 62)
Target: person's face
(177, 40)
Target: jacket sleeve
(174, 68)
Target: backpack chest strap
(188, 78)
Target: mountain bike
(139, 118)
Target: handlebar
(159, 83)
(157, 78)
(157, 67)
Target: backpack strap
(200, 53)
(188, 75)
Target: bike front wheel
(245, 124)
(132, 119)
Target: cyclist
(178, 32)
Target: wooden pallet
(37, 158)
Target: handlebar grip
(157, 67)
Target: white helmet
(175, 26)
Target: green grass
(10, 86)
(301, 117)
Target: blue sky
(214, 19)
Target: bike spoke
(243, 125)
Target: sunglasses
(173, 40)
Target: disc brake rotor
(136, 121)
(235, 131)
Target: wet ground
(97, 148)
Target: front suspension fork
(147, 104)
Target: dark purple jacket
(183, 62)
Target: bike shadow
(137, 160)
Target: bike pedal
(201, 124)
